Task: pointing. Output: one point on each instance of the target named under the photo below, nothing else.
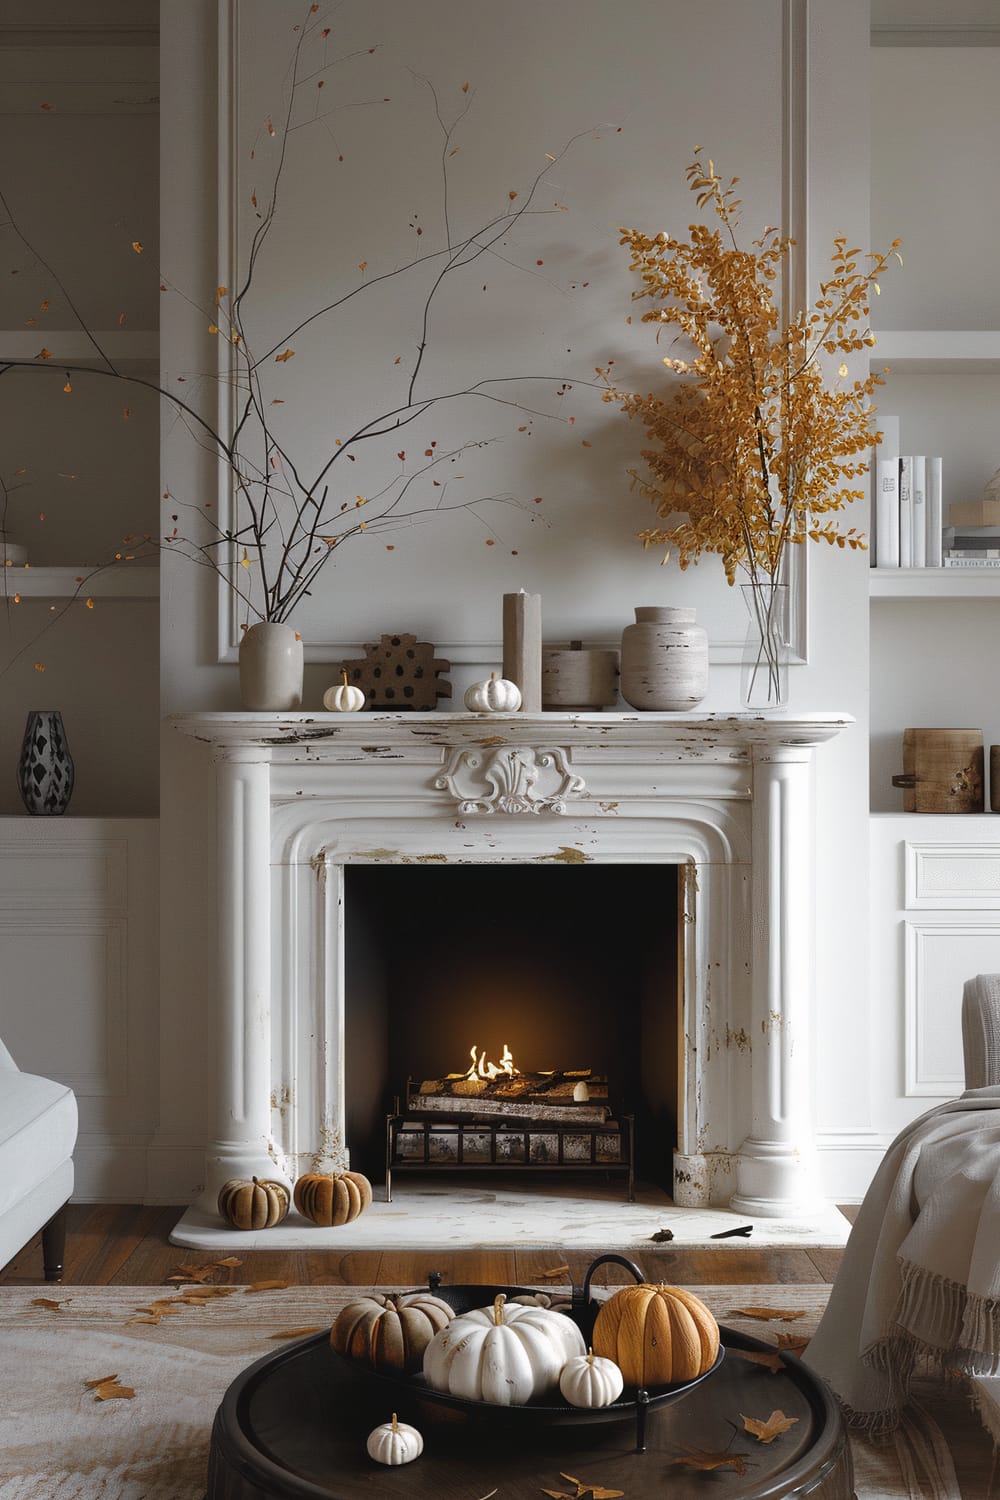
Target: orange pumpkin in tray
(656, 1335)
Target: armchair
(921, 1272)
(38, 1126)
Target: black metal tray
(431, 1405)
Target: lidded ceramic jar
(664, 659)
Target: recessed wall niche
(570, 967)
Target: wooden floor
(127, 1245)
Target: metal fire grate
(453, 1143)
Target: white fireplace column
(775, 1173)
(243, 1013)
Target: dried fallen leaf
(266, 1286)
(106, 1388)
(191, 1273)
(556, 1271)
(154, 1320)
(49, 1303)
(296, 1333)
(698, 1458)
(784, 1314)
(765, 1430)
(794, 1343)
(772, 1362)
(230, 1263)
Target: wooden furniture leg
(54, 1245)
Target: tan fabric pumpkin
(390, 1333)
(251, 1203)
(656, 1335)
(332, 1198)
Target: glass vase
(764, 670)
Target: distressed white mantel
(726, 797)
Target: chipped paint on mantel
(300, 797)
(375, 736)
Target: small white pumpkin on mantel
(589, 1380)
(343, 698)
(496, 696)
(394, 1442)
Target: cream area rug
(59, 1440)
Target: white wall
(670, 75)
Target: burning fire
(482, 1068)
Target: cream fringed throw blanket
(921, 1272)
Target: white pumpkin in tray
(507, 1354)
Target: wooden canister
(576, 679)
(942, 771)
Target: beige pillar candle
(522, 647)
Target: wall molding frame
(796, 125)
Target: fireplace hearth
(305, 802)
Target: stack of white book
(972, 546)
(908, 515)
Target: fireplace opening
(569, 969)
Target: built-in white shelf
(934, 583)
(124, 346)
(937, 350)
(117, 581)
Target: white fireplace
(726, 798)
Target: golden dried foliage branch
(753, 447)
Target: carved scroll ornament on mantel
(511, 779)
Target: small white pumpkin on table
(507, 1354)
(498, 695)
(394, 1442)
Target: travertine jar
(664, 659)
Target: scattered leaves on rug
(47, 1302)
(766, 1429)
(197, 1296)
(596, 1491)
(106, 1388)
(163, 1307)
(783, 1314)
(296, 1333)
(772, 1362)
(793, 1343)
(265, 1286)
(698, 1458)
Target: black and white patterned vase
(45, 770)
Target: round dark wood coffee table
(293, 1427)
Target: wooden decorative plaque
(399, 672)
